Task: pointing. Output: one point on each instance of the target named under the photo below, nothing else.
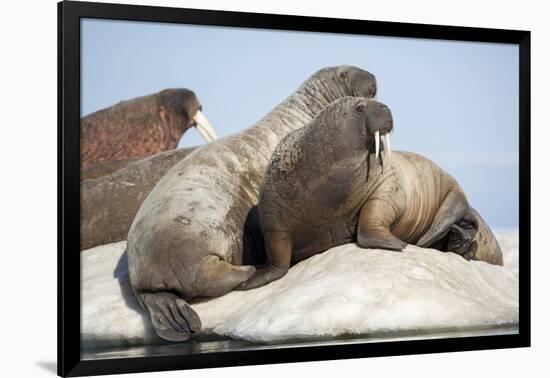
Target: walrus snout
(379, 117)
(367, 82)
(373, 87)
(380, 124)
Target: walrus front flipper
(373, 228)
(217, 277)
(262, 277)
(379, 238)
(278, 247)
(452, 210)
(172, 317)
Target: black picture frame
(69, 359)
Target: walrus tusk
(376, 144)
(204, 127)
(387, 147)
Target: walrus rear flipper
(172, 317)
(461, 237)
(452, 210)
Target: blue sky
(453, 102)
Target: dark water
(222, 345)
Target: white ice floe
(346, 290)
(509, 243)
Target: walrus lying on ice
(325, 186)
(141, 127)
(109, 203)
(186, 240)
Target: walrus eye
(342, 75)
(360, 108)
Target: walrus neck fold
(172, 123)
(376, 173)
(302, 106)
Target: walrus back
(424, 186)
(436, 183)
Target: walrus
(326, 185)
(186, 240)
(109, 203)
(141, 127)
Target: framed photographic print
(240, 188)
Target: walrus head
(358, 124)
(379, 123)
(359, 82)
(184, 105)
(345, 80)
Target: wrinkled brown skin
(186, 240)
(137, 128)
(106, 168)
(323, 188)
(108, 204)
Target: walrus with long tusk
(141, 127)
(326, 186)
(186, 240)
(109, 203)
